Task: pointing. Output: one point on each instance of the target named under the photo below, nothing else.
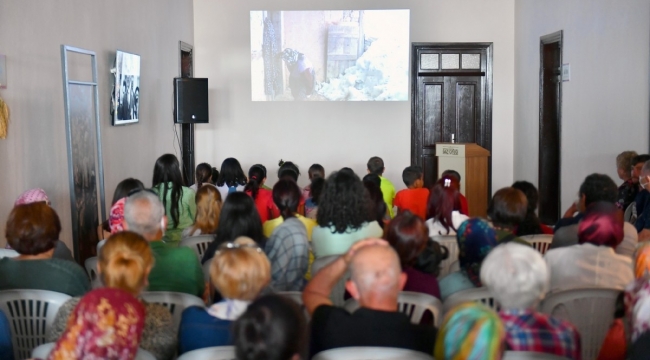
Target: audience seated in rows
(231, 178)
(125, 262)
(263, 198)
(596, 189)
(344, 215)
(33, 231)
(272, 328)
(176, 268)
(239, 271)
(415, 197)
(443, 208)
(208, 211)
(376, 280)
(203, 175)
(376, 166)
(592, 262)
(178, 201)
(518, 279)
(476, 238)
(628, 190)
(531, 225)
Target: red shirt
(265, 205)
(464, 208)
(414, 200)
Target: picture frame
(125, 100)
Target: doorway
(451, 95)
(550, 112)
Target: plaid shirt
(527, 330)
(288, 252)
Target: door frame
(486, 133)
(558, 37)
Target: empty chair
(450, 242)
(480, 294)
(591, 310)
(35, 307)
(412, 304)
(541, 242)
(371, 353)
(197, 243)
(527, 355)
(211, 353)
(8, 253)
(176, 302)
(44, 350)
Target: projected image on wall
(342, 55)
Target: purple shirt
(418, 281)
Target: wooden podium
(471, 162)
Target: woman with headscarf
(475, 240)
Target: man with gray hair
(376, 280)
(518, 278)
(176, 268)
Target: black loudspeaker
(190, 100)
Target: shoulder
(195, 314)
(69, 305)
(328, 313)
(373, 229)
(70, 266)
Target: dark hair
(272, 328)
(231, 174)
(287, 165)
(286, 196)
(531, 224)
(316, 171)
(454, 173)
(376, 165)
(215, 175)
(203, 173)
(344, 203)
(32, 229)
(167, 170)
(239, 217)
(601, 225)
(316, 187)
(640, 159)
(508, 207)
(408, 235)
(599, 187)
(373, 178)
(443, 200)
(256, 174)
(347, 170)
(289, 174)
(411, 174)
(125, 187)
(377, 203)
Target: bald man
(376, 280)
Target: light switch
(566, 72)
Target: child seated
(311, 204)
(315, 171)
(414, 198)
(376, 166)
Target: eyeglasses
(231, 245)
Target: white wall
(338, 134)
(605, 105)
(31, 32)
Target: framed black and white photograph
(126, 91)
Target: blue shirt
(199, 330)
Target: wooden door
(451, 94)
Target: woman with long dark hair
(179, 201)
(231, 177)
(263, 198)
(203, 175)
(443, 210)
(531, 224)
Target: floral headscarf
(116, 217)
(106, 324)
(32, 196)
(475, 240)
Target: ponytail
(286, 196)
(256, 174)
(125, 261)
(203, 174)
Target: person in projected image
(302, 78)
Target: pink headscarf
(116, 217)
(32, 196)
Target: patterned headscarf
(475, 240)
(116, 217)
(106, 324)
(32, 196)
(470, 331)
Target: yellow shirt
(310, 224)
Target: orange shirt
(414, 200)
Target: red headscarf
(602, 225)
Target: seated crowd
(341, 237)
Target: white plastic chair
(529, 355)
(450, 242)
(175, 302)
(91, 268)
(541, 242)
(630, 213)
(480, 294)
(99, 245)
(210, 353)
(413, 304)
(8, 253)
(30, 314)
(338, 292)
(197, 243)
(591, 310)
(43, 351)
(370, 353)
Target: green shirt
(388, 190)
(186, 212)
(58, 275)
(176, 269)
(326, 242)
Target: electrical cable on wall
(4, 119)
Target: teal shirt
(453, 283)
(186, 212)
(176, 269)
(58, 275)
(326, 242)
(388, 190)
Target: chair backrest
(450, 242)
(529, 355)
(338, 292)
(480, 294)
(175, 302)
(30, 314)
(100, 244)
(541, 242)
(371, 353)
(210, 353)
(197, 243)
(591, 310)
(413, 304)
(91, 268)
(630, 213)
(8, 253)
(44, 350)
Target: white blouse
(435, 228)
